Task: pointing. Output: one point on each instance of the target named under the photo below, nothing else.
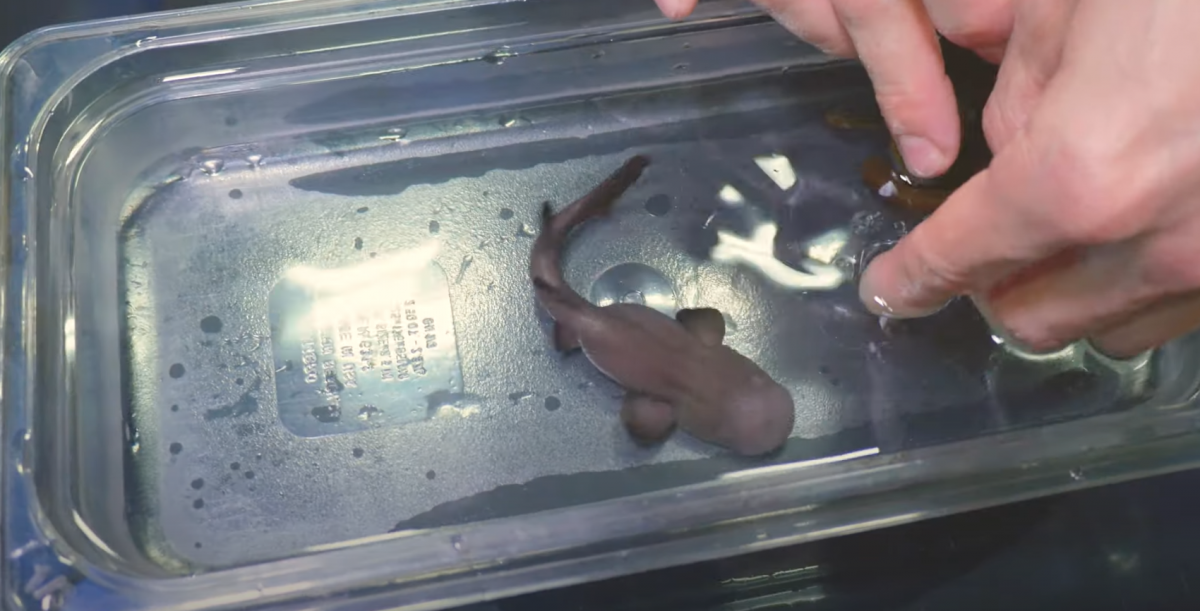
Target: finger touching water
(983, 232)
(898, 46)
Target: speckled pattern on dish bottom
(236, 265)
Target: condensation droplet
(212, 167)
(514, 121)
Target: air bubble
(197, 483)
(358, 452)
(176, 448)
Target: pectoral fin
(647, 419)
(565, 338)
(707, 324)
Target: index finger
(897, 44)
(992, 226)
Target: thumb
(988, 229)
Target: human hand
(1087, 222)
(896, 41)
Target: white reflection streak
(87, 531)
(731, 196)
(69, 337)
(827, 246)
(759, 252)
(195, 75)
(779, 169)
(804, 464)
(364, 287)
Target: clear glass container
(209, 213)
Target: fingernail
(874, 295)
(921, 156)
(868, 292)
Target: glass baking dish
(184, 190)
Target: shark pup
(676, 370)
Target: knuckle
(998, 126)
(901, 107)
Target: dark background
(1132, 547)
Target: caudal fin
(544, 264)
(598, 202)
